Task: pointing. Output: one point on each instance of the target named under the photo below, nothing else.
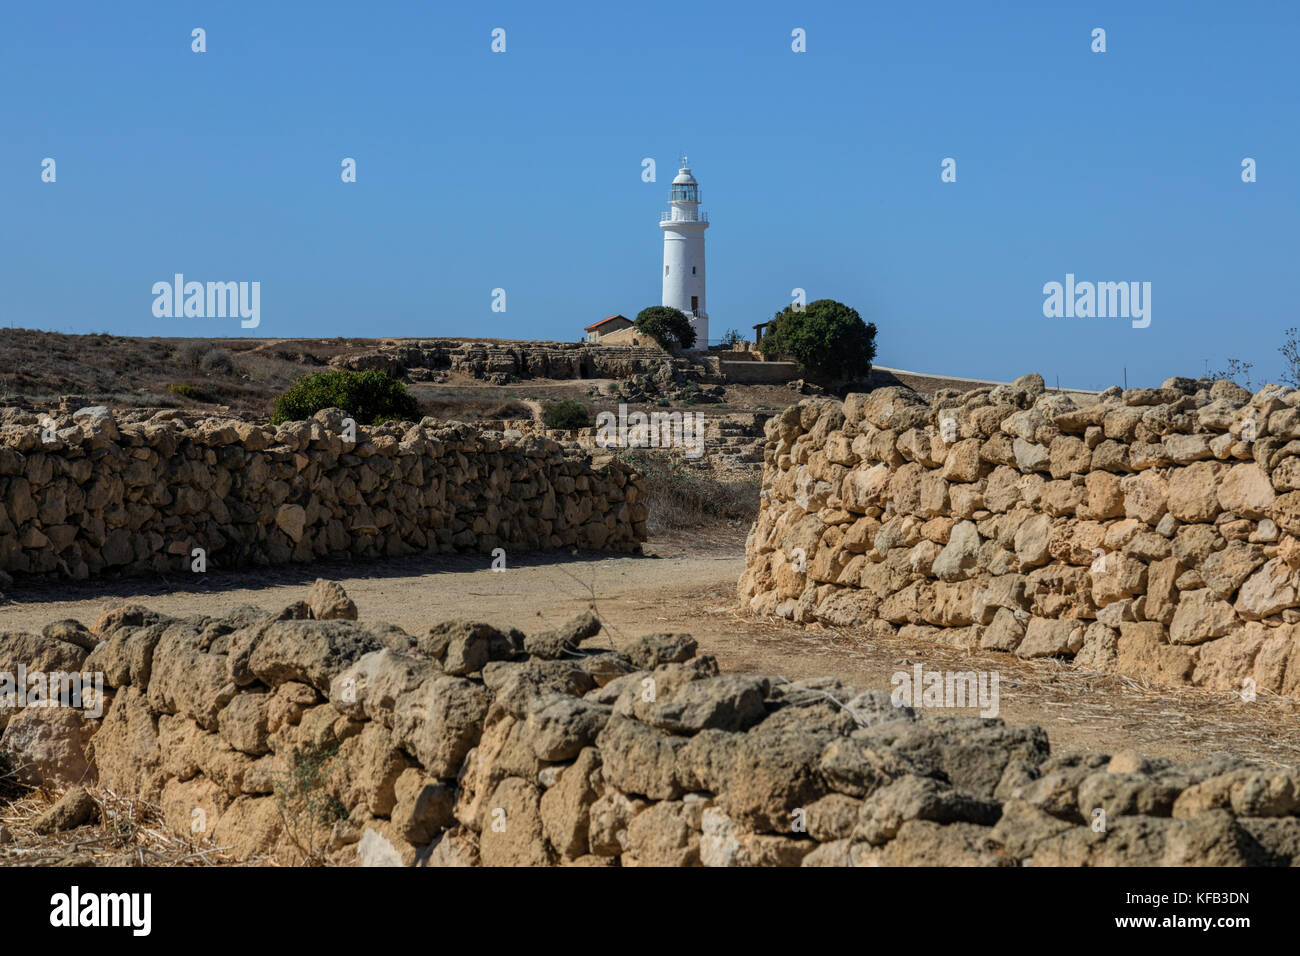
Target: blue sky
(522, 170)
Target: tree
(826, 337)
(668, 326)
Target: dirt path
(688, 586)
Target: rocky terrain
(1154, 533)
(454, 379)
(302, 735)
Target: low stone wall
(734, 438)
(759, 373)
(87, 496)
(501, 362)
(1154, 533)
(303, 736)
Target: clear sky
(522, 170)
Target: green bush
(668, 326)
(193, 392)
(566, 413)
(827, 338)
(371, 397)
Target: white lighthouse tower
(683, 227)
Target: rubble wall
(87, 496)
(304, 736)
(504, 361)
(1154, 534)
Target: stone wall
(1154, 533)
(501, 362)
(759, 373)
(99, 498)
(734, 438)
(304, 736)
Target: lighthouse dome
(684, 177)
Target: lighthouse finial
(685, 163)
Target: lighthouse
(683, 227)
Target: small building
(598, 330)
(630, 336)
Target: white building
(683, 227)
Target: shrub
(189, 354)
(1237, 372)
(216, 360)
(192, 392)
(732, 337)
(194, 352)
(307, 809)
(668, 326)
(1290, 350)
(827, 338)
(371, 397)
(680, 497)
(509, 409)
(566, 413)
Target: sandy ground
(688, 586)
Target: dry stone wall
(735, 438)
(1154, 533)
(502, 362)
(88, 496)
(305, 736)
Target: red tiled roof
(603, 321)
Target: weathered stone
(328, 602)
(45, 746)
(439, 721)
(75, 808)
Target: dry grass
(127, 371)
(130, 832)
(681, 497)
(1210, 723)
